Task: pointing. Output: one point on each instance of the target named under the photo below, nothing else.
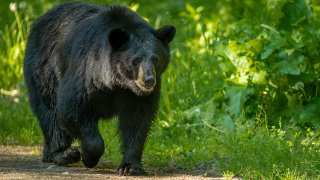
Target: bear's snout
(149, 82)
(146, 79)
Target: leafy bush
(267, 67)
(259, 71)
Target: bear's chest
(107, 105)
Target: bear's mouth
(142, 86)
(138, 83)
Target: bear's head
(139, 54)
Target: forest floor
(18, 162)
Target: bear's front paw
(68, 156)
(130, 169)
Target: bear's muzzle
(146, 79)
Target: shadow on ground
(25, 163)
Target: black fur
(84, 62)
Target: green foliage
(262, 71)
(12, 47)
(276, 66)
(242, 87)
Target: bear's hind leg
(57, 148)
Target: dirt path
(25, 163)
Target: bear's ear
(117, 38)
(166, 33)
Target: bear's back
(42, 66)
(52, 29)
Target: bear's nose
(149, 82)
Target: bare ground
(25, 163)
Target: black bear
(85, 62)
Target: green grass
(18, 125)
(241, 90)
(246, 152)
(272, 155)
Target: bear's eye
(154, 59)
(136, 62)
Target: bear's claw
(66, 157)
(130, 169)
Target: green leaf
(291, 66)
(309, 115)
(237, 97)
(228, 123)
(275, 44)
